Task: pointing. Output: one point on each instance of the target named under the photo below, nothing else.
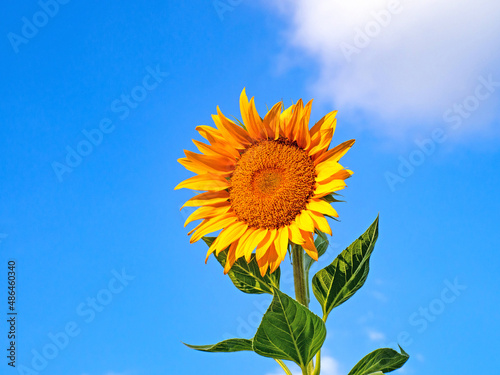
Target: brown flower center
(271, 184)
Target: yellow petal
(320, 222)
(265, 243)
(252, 242)
(281, 242)
(291, 127)
(335, 153)
(211, 163)
(326, 169)
(294, 234)
(230, 234)
(327, 122)
(322, 206)
(213, 225)
(304, 221)
(207, 199)
(212, 150)
(231, 131)
(207, 212)
(250, 117)
(193, 167)
(231, 257)
(207, 181)
(217, 141)
(324, 142)
(271, 121)
(309, 246)
(328, 188)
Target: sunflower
(266, 181)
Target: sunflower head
(265, 182)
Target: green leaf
(336, 283)
(289, 331)
(246, 276)
(380, 361)
(226, 346)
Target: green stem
(318, 363)
(299, 276)
(301, 282)
(284, 367)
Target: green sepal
(336, 283)
(380, 361)
(289, 331)
(226, 346)
(246, 276)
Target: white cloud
(420, 58)
(329, 366)
(374, 335)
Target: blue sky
(99, 242)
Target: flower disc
(271, 184)
(264, 183)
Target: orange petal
(230, 234)
(207, 181)
(250, 117)
(231, 257)
(323, 143)
(217, 141)
(291, 127)
(328, 188)
(193, 167)
(207, 199)
(212, 150)
(326, 169)
(265, 243)
(213, 225)
(252, 242)
(327, 122)
(304, 221)
(232, 132)
(335, 153)
(211, 163)
(344, 174)
(309, 246)
(303, 137)
(271, 121)
(294, 234)
(207, 212)
(281, 242)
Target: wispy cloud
(406, 62)
(374, 335)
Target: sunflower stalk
(268, 183)
(301, 283)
